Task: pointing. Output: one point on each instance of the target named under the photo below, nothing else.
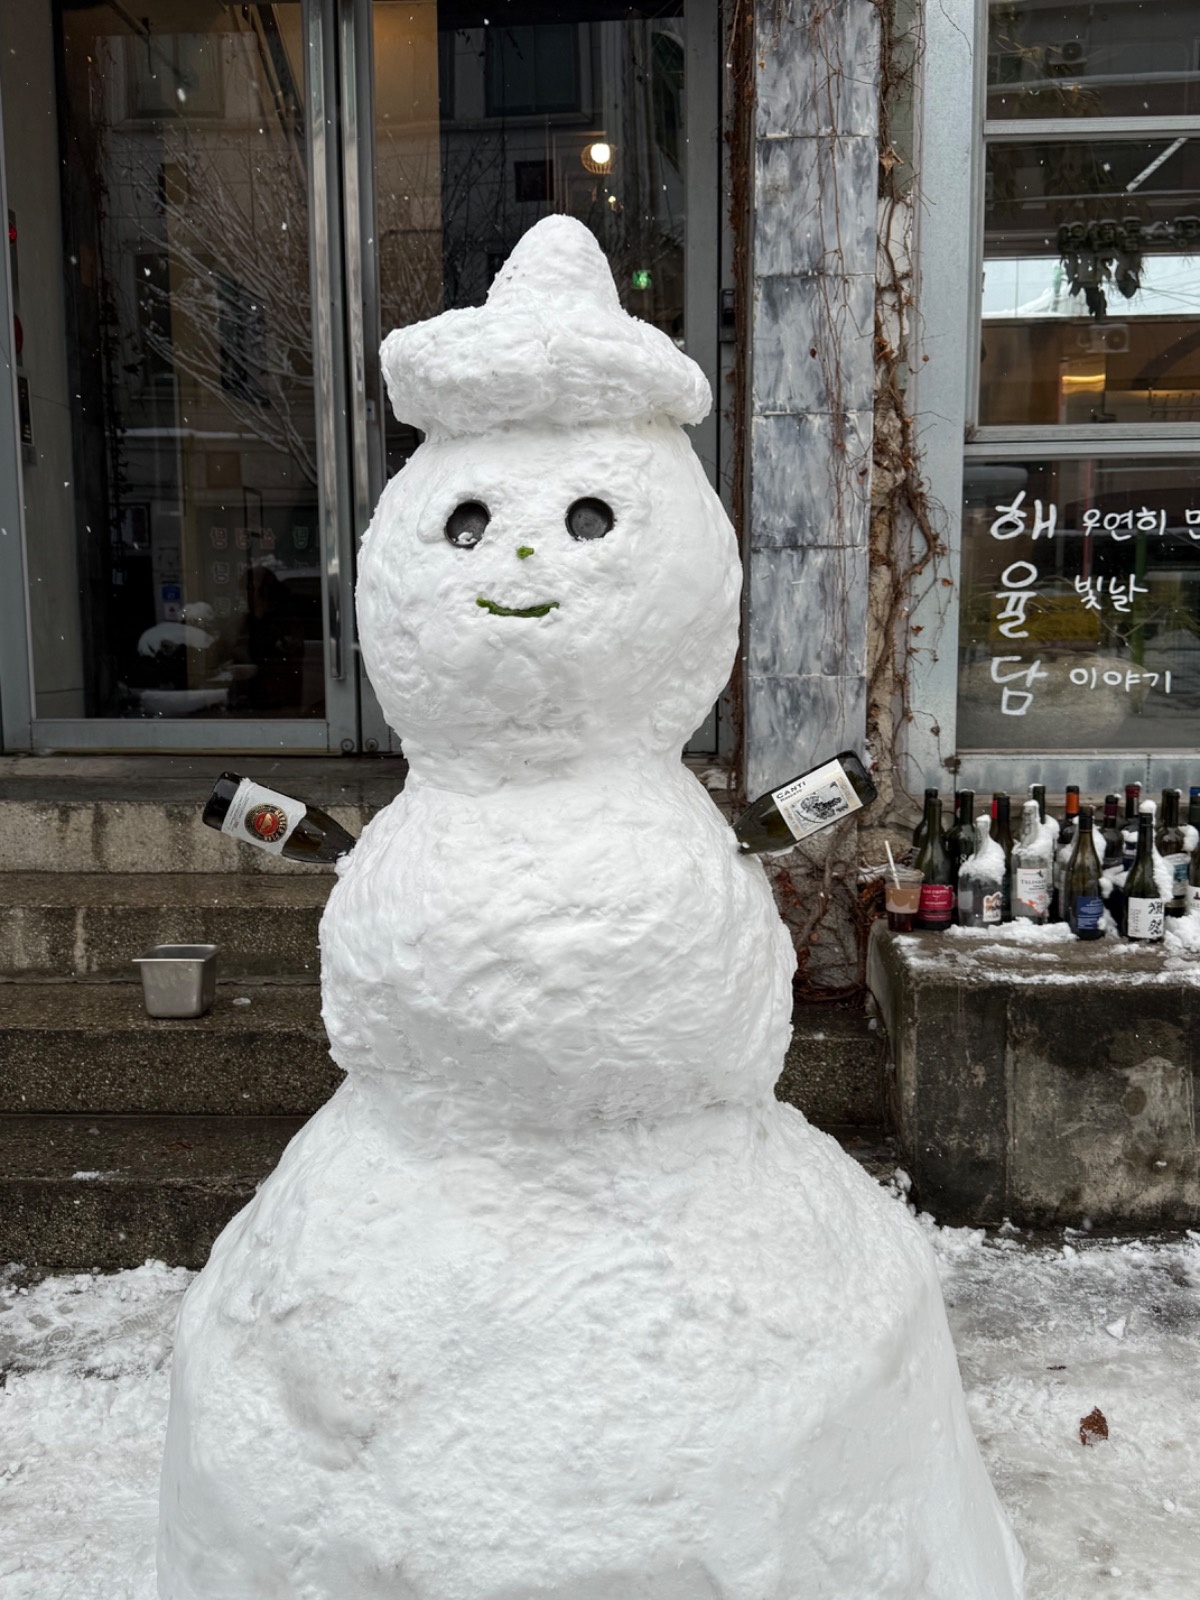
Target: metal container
(179, 980)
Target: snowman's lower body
(702, 1361)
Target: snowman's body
(553, 1301)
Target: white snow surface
(84, 1403)
(553, 1300)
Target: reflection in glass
(1091, 297)
(484, 124)
(1127, 58)
(174, 239)
(1080, 605)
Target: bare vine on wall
(818, 894)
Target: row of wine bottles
(977, 874)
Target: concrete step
(90, 1048)
(76, 925)
(141, 814)
(108, 1192)
(835, 1068)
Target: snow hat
(551, 344)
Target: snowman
(553, 1300)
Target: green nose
(524, 550)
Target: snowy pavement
(1046, 1334)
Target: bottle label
(991, 907)
(820, 797)
(262, 816)
(1144, 919)
(937, 902)
(1032, 892)
(1089, 909)
(1179, 863)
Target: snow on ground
(1045, 1333)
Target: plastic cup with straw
(902, 894)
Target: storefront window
(1122, 58)
(1091, 282)
(1080, 623)
(1079, 603)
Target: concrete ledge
(1042, 1079)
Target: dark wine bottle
(918, 833)
(1037, 791)
(1083, 903)
(1169, 842)
(1002, 833)
(1193, 811)
(960, 841)
(1110, 832)
(818, 798)
(932, 861)
(1129, 828)
(1144, 914)
(1062, 853)
(276, 822)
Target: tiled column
(812, 382)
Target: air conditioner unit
(1111, 338)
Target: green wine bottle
(823, 795)
(1083, 903)
(1144, 913)
(275, 822)
(1169, 842)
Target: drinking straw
(892, 863)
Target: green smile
(517, 611)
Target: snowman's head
(551, 574)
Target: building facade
(938, 262)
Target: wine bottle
(981, 881)
(1129, 828)
(960, 841)
(823, 795)
(276, 822)
(1144, 912)
(1081, 886)
(1169, 842)
(1062, 854)
(1193, 899)
(1002, 833)
(918, 833)
(932, 861)
(1193, 811)
(1037, 791)
(1033, 868)
(1110, 832)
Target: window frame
(950, 144)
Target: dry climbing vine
(818, 895)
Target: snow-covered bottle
(1033, 868)
(1144, 913)
(277, 822)
(981, 881)
(823, 795)
(1170, 845)
(1129, 828)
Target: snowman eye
(465, 524)
(589, 519)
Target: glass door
(214, 213)
(170, 279)
(477, 120)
